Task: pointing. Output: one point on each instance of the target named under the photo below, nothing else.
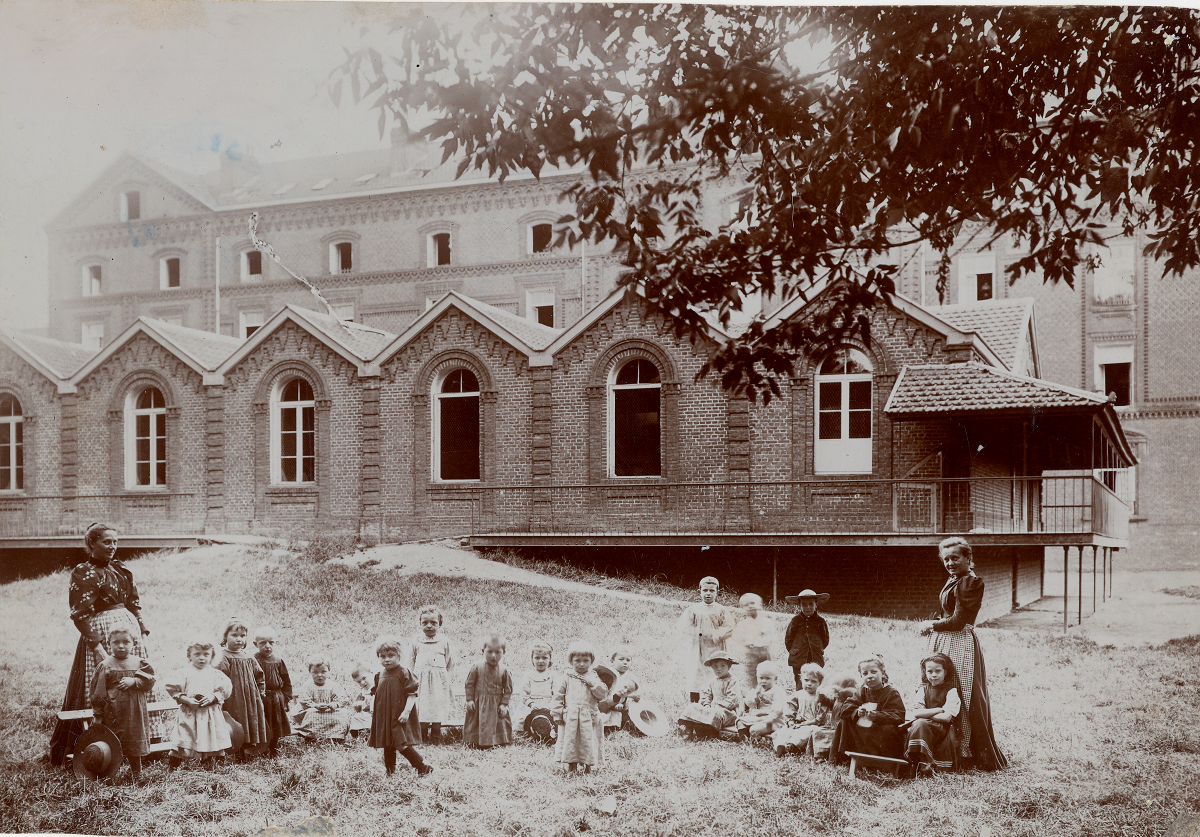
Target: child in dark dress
(279, 688)
(249, 686)
(807, 635)
(489, 691)
(119, 697)
(869, 720)
(395, 726)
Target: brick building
(476, 381)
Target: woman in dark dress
(954, 636)
(102, 596)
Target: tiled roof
(1002, 323)
(535, 335)
(362, 341)
(972, 388)
(205, 347)
(61, 357)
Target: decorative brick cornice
(1164, 413)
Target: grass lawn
(1102, 741)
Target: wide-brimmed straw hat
(606, 674)
(807, 593)
(720, 655)
(539, 724)
(648, 719)
(97, 754)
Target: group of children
(832, 722)
(233, 700)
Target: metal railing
(1037, 505)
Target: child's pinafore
(124, 711)
(200, 729)
(581, 736)
(490, 687)
(245, 702)
(431, 661)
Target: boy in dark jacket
(807, 634)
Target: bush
(324, 546)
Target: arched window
(456, 427)
(295, 435)
(12, 444)
(635, 440)
(843, 444)
(145, 439)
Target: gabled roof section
(953, 334)
(123, 168)
(530, 338)
(976, 389)
(203, 351)
(1006, 325)
(598, 312)
(358, 344)
(56, 359)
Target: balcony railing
(1035, 505)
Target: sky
(178, 81)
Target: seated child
(360, 707)
(537, 686)
(489, 690)
(615, 706)
(805, 713)
(720, 702)
(576, 711)
(199, 689)
(936, 717)
(120, 690)
(870, 719)
(833, 698)
(322, 710)
(765, 708)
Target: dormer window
(341, 257)
(91, 279)
(131, 206)
(321, 184)
(439, 249)
(252, 265)
(168, 273)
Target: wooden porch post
(775, 577)
(1079, 589)
(1094, 548)
(1066, 558)
(1104, 576)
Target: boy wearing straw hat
(703, 627)
(807, 635)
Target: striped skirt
(960, 647)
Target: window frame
(336, 266)
(244, 262)
(123, 205)
(276, 433)
(857, 452)
(536, 298)
(531, 244)
(1113, 355)
(613, 388)
(432, 255)
(968, 276)
(243, 316)
(156, 416)
(436, 398)
(164, 272)
(15, 447)
(84, 338)
(92, 284)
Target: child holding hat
(720, 703)
(807, 635)
(703, 627)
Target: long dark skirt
(932, 742)
(878, 740)
(978, 742)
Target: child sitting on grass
(766, 706)
(870, 718)
(200, 690)
(395, 725)
(936, 716)
(360, 719)
(431, 659)
(833, 697)
(805, 713)
(537, 686)
(489, 690)
(321, 716)
(245, 702)
(615, 707)
(120, 690)
(278, 696)
(720, 702)
(577, 711)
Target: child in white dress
(361, 706)
(536, 689)
(805, 713)
(703, 628)
(576, 711)
(200, 690)
(766, 705)
(750, 639)
(322, 714)
(616, 705)
(431, 659)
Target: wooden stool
(87, 716)
(892, 765)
